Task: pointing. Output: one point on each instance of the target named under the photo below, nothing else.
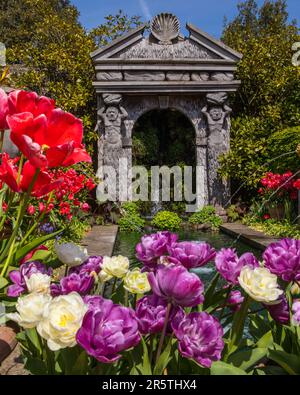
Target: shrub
(283, 144)
(206, 215)
(131, 223)
(130, 208)
(232, 213)
(166, 220)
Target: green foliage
(206, 215)
(50, 53)
(248, 152)
(273, 227)
(75, 229)
(269, 97)
(131, 221)
(232, 213)
(283, 143)
(130, 207)
(166, 220)
(114, 26)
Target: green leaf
(144, 367)
(211, 290)
(164, 359)
(41, 255)
(236, 332)
(266, 341)
(224, 369)
(74, 361)
(20, 253)
(3, 282)
(289, 362)
(246, 359)
(36, 366)
(34, 340)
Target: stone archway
(136, 74)
(163, 137)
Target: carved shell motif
(165, 28)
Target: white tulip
(30, 309)
(61, 321)
(103, 276)
(39, 283)
(116, 266)
(71, 254)
(260, 284)
(137, 282)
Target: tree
(269, 96)
(114, 26)
(53, 51)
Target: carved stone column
(111, 116)
(201, 163)
(216, 113)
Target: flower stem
(114, 286)
(225, 304)
(38, 220)
(126, 298)
(236, 332)
(22, 210)
(163, 334)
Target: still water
(126, 242)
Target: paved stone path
(250, 236)
(99, 241)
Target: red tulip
(22, 101)
(3, 109)
(43, 184)
(31, 253)
(9, 174)
(50, 141)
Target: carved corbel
(216, 111)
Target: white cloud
(146, 11)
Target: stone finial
(165, 27)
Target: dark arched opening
(164, 138)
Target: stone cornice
(175, 87)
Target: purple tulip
(80, 283)
(192, 254)
(92, 264)
(280, 312)
(153, 246)
(283, 259)
(95, 302)
(107, 330)
(18, 277)
(235, 299)
(151, 313)
(229, 265)
(200, 338)
(296, 313)
(176, 285)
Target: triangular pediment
(135, 45)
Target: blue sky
(206, 14)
